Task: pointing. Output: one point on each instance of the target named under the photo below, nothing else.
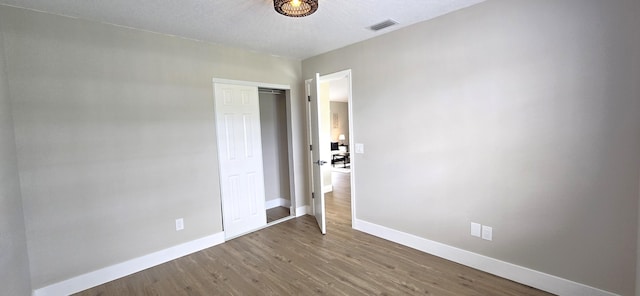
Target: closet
(275, 152)
(253, 153)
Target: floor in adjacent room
(293, 258)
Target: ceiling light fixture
(295, 8)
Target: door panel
(316, 161)
(240, 155)
(248, 130)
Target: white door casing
(240, 155)
(316, 161)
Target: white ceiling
(254, 24)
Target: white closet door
(240, 156)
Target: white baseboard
(277, 202)
(327, 188)
(303, 210)
(110, 273)
(530, 277)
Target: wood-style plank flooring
(293, 258)
(277, 213)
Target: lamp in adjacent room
(295, 8)
(341, 137)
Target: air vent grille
(382, 25)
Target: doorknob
(320, 162)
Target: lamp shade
(341, 137)
(295, 8)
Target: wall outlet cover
(179, 224)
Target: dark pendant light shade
(295, 8)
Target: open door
(316, 163)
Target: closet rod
(270, 91)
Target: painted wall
(14, 264)
(520, 115)
(116, 139)
(275, 151)
(342, 110)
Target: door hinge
(311, 147)
(313, 195)
(309, 98)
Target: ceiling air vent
(382, 25)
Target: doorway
(243, 137)
(332, 129)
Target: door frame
(287, 90)
(347, 74)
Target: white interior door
(316, 161)
(240, 155)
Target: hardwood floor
(277, 213)
(293, 258)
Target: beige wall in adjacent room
(14, 264)
(342, 111)
(275, 151)
(115, 137)
(520, 115)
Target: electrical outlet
(179, 224)
(475, 229)
(487, 233)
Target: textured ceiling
(254, 24)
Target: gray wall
(275, 151)
(14, 264)
(116, 139)
(520, 115)
(342, 109)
